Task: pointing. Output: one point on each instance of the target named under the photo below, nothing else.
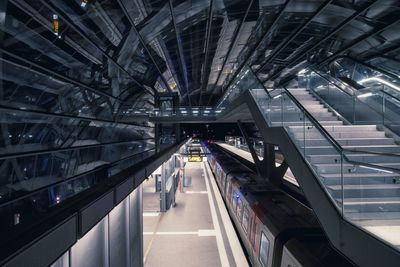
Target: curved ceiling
(119, 49)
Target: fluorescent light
(277, 96)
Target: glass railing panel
(391, 112)
(372, 193)
(390, 65)
(291, 113)
(322, 156)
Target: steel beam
(353, 43)
(68, 21)
(59, 76)
(208, 34)
(358, 41)
(276, 19)
(143, 43)
(180, 49)
(294, 35)
(329, 35)
(229, 50)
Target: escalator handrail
(360, 63)
(366, 65)
(341, 89)
(330, 82)
(389, 94)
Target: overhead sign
(195, 159)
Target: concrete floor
(196, 232)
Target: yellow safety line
(146, 254)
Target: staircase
(367, 195)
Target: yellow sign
(55, 24)
(195, 159)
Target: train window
(245, 222)
(264, 249)
(229, 193)
(234, 201)
(239, 209)
(254, 231)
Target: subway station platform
(197, 231)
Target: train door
(223, 189)
(228, 196)
(264, 250)
(265, 247)
(245, 220)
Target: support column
(266, 167)
(136, 227)
(163, 193)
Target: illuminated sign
(195, 159)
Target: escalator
(362, 93)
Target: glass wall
(72, 75)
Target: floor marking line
(196, 192)
(237, 249)
(150, 214)
(200, 233)
(220, 241)
(146, 254)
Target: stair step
(307, 101)
(311, 109)
(381, 204)
(304, 97)
(298, 113)
(353, 141)
(291, 123)
(366, 158)
(314, 133)
(323, 168)
(343, 129)
(299, 91)
(359, 178)
(375, 216)
(366, 191)
(329, 149)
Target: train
(276, 230)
